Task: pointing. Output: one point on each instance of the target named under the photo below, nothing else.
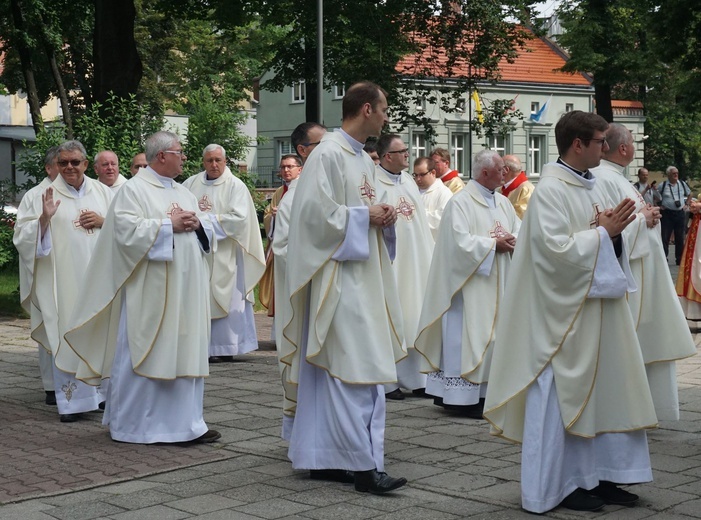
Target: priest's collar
(77, 193)
(394, 176)
(166, 181)
(586, 174)
(487, 194)
(612, 165)
(356, 145)
(586, 178)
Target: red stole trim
(520, 179)
(450, 176)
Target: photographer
(675, 195)
(648, 191)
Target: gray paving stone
(343, 512)
(141, 499)
(151, 513)
(456, 482)
(85, 511)
(204, 504)
(690, 508)
(274, 508)
(255, 493)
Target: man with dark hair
(434, 195)
(370, 148)
(305, 137)
(574, 391)
(340, 344)
(414, 250)
(441, 161)
(290, 168)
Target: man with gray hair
(144, 318)
(466, 283)
(24, 238)
(516, 187)
(238, 261)
(69, 214)
(657, 313)
(106, 165)
(675, 194)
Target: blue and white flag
(541, 116)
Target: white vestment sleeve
(218, 230)
(356, 245)
(609, 279)
(162, 248)
(44, 244)
(486, 266)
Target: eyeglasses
(73, 162)
(405, 150)
(311, 144)
(178, 152)
(601, 141)
(417, 175)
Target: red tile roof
(618, 103)
(537, 62)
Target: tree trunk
(61, 88)
(118, 68)
(27, 69)
(602, 96)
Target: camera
(678, 203)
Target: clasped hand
(382, 215)
(184, 221)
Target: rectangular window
(535, 106)
(497, 143)
(457, 152)
(536, 153)
(418, 145)
(299, 91)
(569, 107)
(339, 91)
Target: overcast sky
(546, 8)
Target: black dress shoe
(612, 494)
(421, 392)
(227, 359)
(206, 437)
(50, 398)
(581, 500)
(438, 401)
(395, 395)
(215, 359)
(69, 417)
(334, 475)
(101, 406)
(376, 482)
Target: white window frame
(339, 91)
(536, 155)
(299, 91)
(493, 144)
(535, 107)
(418, 145)
(458, 151)
(569, 107)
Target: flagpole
(320, 61)
(469, 133)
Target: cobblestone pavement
(50, 470)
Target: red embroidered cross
(405, 208)
(597, 211)
(77, 224)
(498, 230)
(366, 189)
(204, 203)
(173, 209)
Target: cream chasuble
(230, 201)
(657, 313)
(548, 318)
(118, 183)
(283, 309)
(466, 242)
(435, 199)
(58, 276)
(167, 301)
(414, 246)
(355, 323)
(25, 237)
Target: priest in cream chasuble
(469, 272)
(238, 261)
(414, 250)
